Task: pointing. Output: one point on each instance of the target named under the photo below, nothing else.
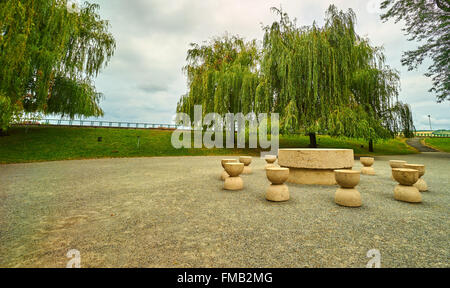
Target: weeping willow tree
(49, 56)
(318, 79)
(222, 76)
(328, 79)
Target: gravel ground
(172, 212)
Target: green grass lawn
(58, 143)
(442, 144)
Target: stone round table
(315, 166)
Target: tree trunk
(371, 146)
(312, 140)
(2, 132)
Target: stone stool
(224, 173)
(347, 195)
(270, 159)
(277, 191)
(406, 192)
(396, 164)
(367, 162)
(421, 184)
(234, 182)
(246, 160)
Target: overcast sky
(144, 81)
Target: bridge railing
(97, 124)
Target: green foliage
(354, 122)
(71, 96)
(428, 22)
(402, 116)
(319, 79)
(221, 76)
(49, 56)
(307, 68)
(442, 144)
(6, 111)
(329, 79)
(59, 143)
